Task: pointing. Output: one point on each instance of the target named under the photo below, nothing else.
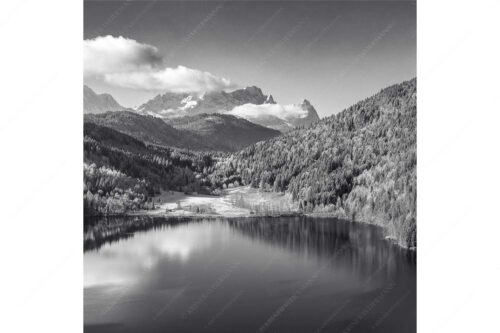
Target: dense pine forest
(359, 164)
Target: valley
(358, 165)
(249, 166)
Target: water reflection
(101, 230)
(126, 261)
(321, 239)
(155, 274)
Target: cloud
(255, 111)
(126, 63)
(109, 54)
(116, 265)
(178, 80)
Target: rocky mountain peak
(270, 99)
(97, 103)
(305, 102)
(253, 90)
(312, 115)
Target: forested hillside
(122, 173)
(359, 164)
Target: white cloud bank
(255, 111)
(178, 80)
(126, 63)
(109, 54)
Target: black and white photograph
(280, 166)
(250, 166)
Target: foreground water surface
(293, 274)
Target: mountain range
(249, 103)
(240, 118)
(178, 104)
(203, 132)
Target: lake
(287, 274)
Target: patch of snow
(188, 103)
(167, 111)
(153, 114)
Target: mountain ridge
(210, 102)
(223, 130)
(98, 103)
(171, 105)
(200, 132)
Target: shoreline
(239, 202)
(242, 201)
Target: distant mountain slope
(359, 164)
(201, 132)
(226, 132)
(111, 137)
(148, 129)
(248, 103)
(97, 103)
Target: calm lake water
(293, 274)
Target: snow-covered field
(237, 202)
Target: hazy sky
(332, 53)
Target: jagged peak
(305, 102)
(270, 100)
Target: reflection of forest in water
(341, 242)
(361, 246)
(98, 231)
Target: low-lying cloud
(126, 63)
(255, 111)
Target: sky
(332, 53)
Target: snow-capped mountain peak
(249, 103)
